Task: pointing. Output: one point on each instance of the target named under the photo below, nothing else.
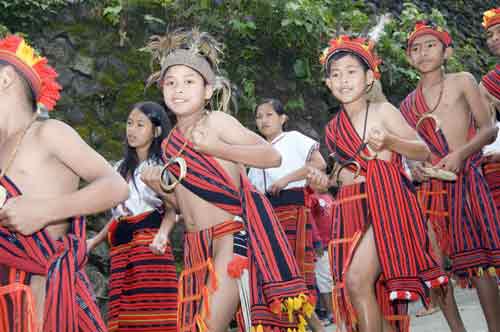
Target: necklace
(3, 191)
(429, 114)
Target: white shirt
(141, 198)
(295, 149)
(495, 146)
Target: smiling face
(185, 91)
(493, 39)
(140, 130)
(268, 121)
(427, 53)
(348, 79)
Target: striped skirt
(143, 286)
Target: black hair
(275, 104)
(29, 92)
(158, 117)
(342, 54)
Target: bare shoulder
(385, 109)
(462, 79)
(55, 134)
(221, 121)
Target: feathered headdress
(491, 18)
(195, 49)
(427, 27)
(41, 77)
(363, 47)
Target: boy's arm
(400, 137)
(225, 138)
(316, 161)
(487, 131)
(105, 188)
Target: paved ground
(469, 309)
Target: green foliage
(18, 15)
(112, 12)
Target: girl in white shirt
(285, 186)
(143, 281)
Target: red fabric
(69, 304)
(322, 214)
(142, 285)
(274, 274)
(398, 224)
(468, 211)
(491, 82)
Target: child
(285, 186)
(490, 90)
(222, 212)
(448, 113)
(376, 214)
(42, 238)
(143, 281)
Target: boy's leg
(360, 279)
(224, 301)
(447, 304)
(487, 290)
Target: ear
(283, 119)
(370, 78)
(158, 131)
(409, 59)
(7, 76)
(329, 83)
(209, 91)
(448, 53)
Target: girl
(380, 252)
(143, 282)
(285, 184)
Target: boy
(448, 113)
(223, 213)
(42, 243)
(490, 90)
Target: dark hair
(29, 92)
(275, 104)
(158, 117)
(342, 54)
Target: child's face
(140, 130)
(269, 123)
(427, 53)
(184, 90)
(493, 39)
(348, 79)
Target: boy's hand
(205, 140)
(453, 162)
(377, 139)
(159, 243)
(151, 176)
(317, 180)
(418, 174)
(24, 215)
(91, 244)
(278, 186)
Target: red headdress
(427, 27)
(491, 18)
(364, 48)
(42, 78)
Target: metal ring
(428, 116)
(166, 176)
(371, 156)
(352, 162)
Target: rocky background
(272, 50)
